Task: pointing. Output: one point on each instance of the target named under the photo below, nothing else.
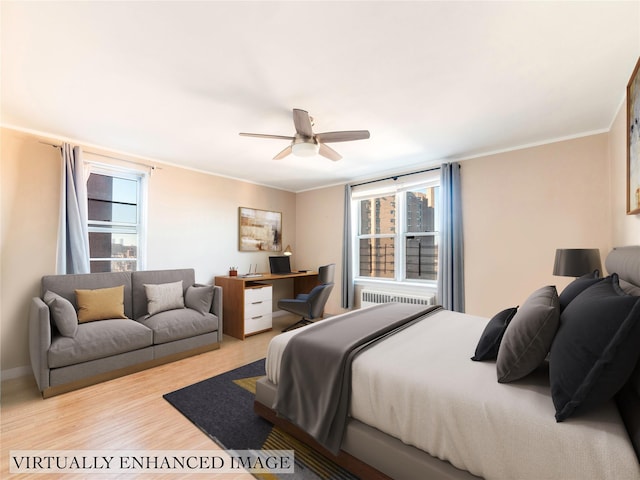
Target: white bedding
(421, 387)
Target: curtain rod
(152, 167)
(395, 177)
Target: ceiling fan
(305, 143)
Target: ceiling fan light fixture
(307, 144)
(305, 149)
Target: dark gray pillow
(576, 287)
(63, 313)
(528, 337)
(199, 298)
(489, 343)
(596, 348)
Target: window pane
(378, 215)
(377, 257)
(422, 258)
(113, 245)
(98, 266)
(421, 210)
(112, 199)
(112, 189)
(112, 212)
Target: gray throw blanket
(315, 374)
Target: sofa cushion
(96, 340)
(146, 277)
(164, 296)
(177, 324)
(100, 304)
(66, 286)
(63, 314)
(199, 298)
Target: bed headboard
(625, 261)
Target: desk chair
(310, 306)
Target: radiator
(370, 297)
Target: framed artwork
(633, 142)
(259, 230)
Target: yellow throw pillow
(100, 304)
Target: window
(116, 219)
(397, 231)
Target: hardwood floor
(127, 413)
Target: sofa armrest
(39, 341)
(216, 308)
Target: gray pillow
(596, 348)
(164, 296)
(528, 337)
(199, 298)
(63, 313)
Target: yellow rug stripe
(305, 456)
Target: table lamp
(575, 262)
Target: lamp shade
(575, 262)
(287, 251)
(305, 149)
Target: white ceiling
(432, 81)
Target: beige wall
(192, 222)
(319, 223)
(520, 206)
(30, 184)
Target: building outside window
(116, 219)
(397, 231)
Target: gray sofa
(67, 354)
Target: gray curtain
(450, 251)
(347, 260)
(73, 235)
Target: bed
(419, 407)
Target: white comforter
(421, 387)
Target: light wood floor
(127, 413)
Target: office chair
(310, 306)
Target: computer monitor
(280, 265)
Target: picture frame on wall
(633, 142)
(259, 230)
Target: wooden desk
(233, 297)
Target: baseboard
(17, 372)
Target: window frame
(139, 228)
(401, 234)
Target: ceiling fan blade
(302, 122)
(344, 136)
(264, 135)
(283, 153)
(329, 152)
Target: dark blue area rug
(222, 407)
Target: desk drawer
(257, 307)
(257, 323)
(256, 294)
